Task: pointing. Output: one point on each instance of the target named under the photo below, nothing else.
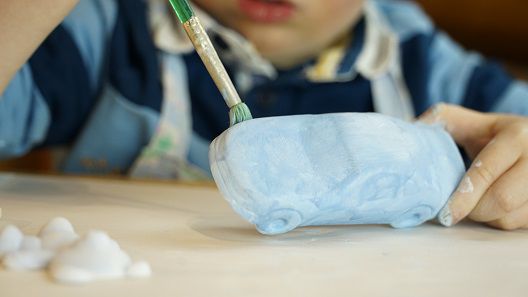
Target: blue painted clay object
(281, 173)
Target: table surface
(198, 246)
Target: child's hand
(495, 188)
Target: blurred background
(496, 28)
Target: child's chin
(283, 52)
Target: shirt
(119, 85)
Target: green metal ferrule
(183, 9)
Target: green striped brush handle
(239, 111)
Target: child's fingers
(492, 163)
(463, 124)
(505, 196)
(514, 220)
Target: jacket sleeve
(437, 69)
(24, 115)
(50, 97)
(466, 78)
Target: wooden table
(198, 246)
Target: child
(124, 91)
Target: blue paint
(351, 168)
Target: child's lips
(267, 11)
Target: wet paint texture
(281, 173)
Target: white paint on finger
(444, 217)
(478, 164)
(466, 186)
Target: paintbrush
(238, 110)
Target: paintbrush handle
(183, 9)
(212, 62)
(206, 51)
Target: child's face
(287, 32)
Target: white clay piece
(69, 258)
(27, 260)
(30, 255)
(10, 239)
(57, 233)
(94, 257)
(140, 269)
(31, 243)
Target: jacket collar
(369, 50)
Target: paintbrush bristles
(239, 113)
